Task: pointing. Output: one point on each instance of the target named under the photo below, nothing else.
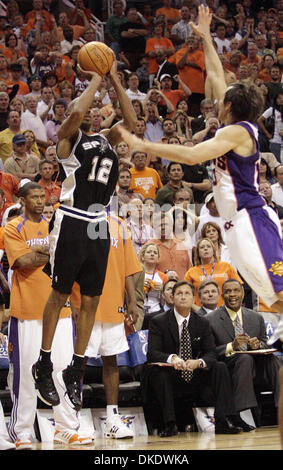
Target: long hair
(197, 260)
(216, 226)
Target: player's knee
(58, 299)
(109, 361)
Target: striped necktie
(186, 350)
(239, 331)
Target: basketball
(96, 57)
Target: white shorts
(254, 241)
(107, 339)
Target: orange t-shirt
(10, 186)
(222, 272)
(173, 96)
(9, 54)
(145, 182)
(175, 257)
(122, 262)
(152, 44)
(19, 235)
(194, 78)
(23, 87)
(169, 13)
(2, 246)
(49, 191)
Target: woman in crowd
(212, 231)
(123, 154)
(208, 266)
(153, 282)
(31, 145)
(265, 173)
(183, 227)
(137, 105)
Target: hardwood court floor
(265, 438)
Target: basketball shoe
(116, 429)
(70, 380)
(44, 385)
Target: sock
(77, 361)
(45, 356)
(111, 410)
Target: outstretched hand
(88, 74)
(202, 29)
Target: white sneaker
(71, 438)
(277, 333)
(23, 444)
(116, 429)
(5, 444)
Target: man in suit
(209, 294)
(198, 375)
(206, 107)
(165, 67)
(236, 328)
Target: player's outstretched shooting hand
(113, 70)
(202, 29)
(88, 74)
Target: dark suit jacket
(223, 330)
(202, 312)
(198, 124)
(163, 338)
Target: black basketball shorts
(78, 252)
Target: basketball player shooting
(253, 232)
(79, 236)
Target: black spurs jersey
(91, 173)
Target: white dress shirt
(277, 194)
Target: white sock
(111, 410)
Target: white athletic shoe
(5, 444)
(277, 334)
(116, 429)
(23, 444)
(71, 438)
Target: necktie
(186, 350)
(239, 331)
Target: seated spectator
(35, 84)
(41, 62)
(165, 195)
(220, 39)
(183, 124)
(76, 15)
(274, 85)
(265, 190)
(141, 232)
(190, 63)
(39, 12)
(20, 164)
(3, 204)
(198, 180)
(124, 156)
(181, 30)
(132, 38)
(252, 57)
(174, 96)
(206, 108)
(165, 68)
(154, 131)
(274, 138)
(69, 41)
(123, 191)
(48, 211)
(133, 91)
(212, 231)
(112, 27)
(209, 213)
(173, 254)
(32, 121)
(277, 188)
(172, 15)
(31, 145)
(138, 107)
(66, 91)
(208, 293)
(266, 66)
(265, 172)
(16, 72)
(13, 121)
(52, 191)
(155, 42)
(10, 185)
(211, 126)
(78, 30)
(183, 226)
(12, 51)
(142, 73)
(237, 328)
(153, 282)
(149, 208)
(207, 266)
(167, 297)
(52, 125)
(4, 110)
(145, 181)
(196, 373)
(45, 103)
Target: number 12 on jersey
(102, 173)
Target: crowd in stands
(169, 208)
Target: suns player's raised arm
(128, 112)
(215, 74)
(226, 139)
(78, 108)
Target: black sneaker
(70, 380)
(44, 385)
